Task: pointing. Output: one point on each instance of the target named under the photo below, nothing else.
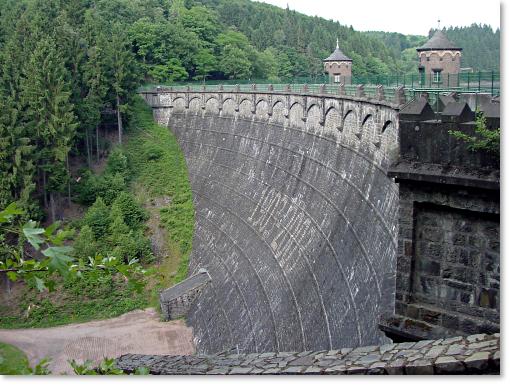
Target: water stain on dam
(296, 219)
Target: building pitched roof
(438, 41)
(337, 55)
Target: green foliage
(17, 263)
(96, 293)
(117, 163)
(98, 218)
(106, 367)
(106, 186)
(85, 243)
(164, 176)
(61, 65)
(12, 360)
(131, 211)
(484, 139)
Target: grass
(95, 296)
(158, 164)
(12, 360)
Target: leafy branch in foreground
(52, 256)
(106, 367)
(485, 139)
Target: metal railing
(465, 82)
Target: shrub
(85, 244)
(132, 213)
(152, 152)
(85, 188)
(98, 218)
(109, 186)
(117, 163)
(484, 138)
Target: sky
(407, 17)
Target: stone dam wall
(296, 216)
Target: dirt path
(139, 331)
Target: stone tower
(338, 66)
(439, 62)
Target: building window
(337, 78)
(436, 76)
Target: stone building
(439, 61)
(338, 66)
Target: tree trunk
(68, 182)
(87, 143)
(97, 143)
(119, 119)
(52, 207)
(45, 199)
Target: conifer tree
(124, 76)
(50, 116)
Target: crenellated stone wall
(448, 260)
(296, 216)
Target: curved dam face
(296, 217)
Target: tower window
(436, 76)
(337, 78)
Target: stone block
(313, 370)
(477, 362)
(368, 359)
(395, 367)
(302, 361)
(220, 371)
(386, 348)
(420, 367)
(356, 370)
(338, 369)
(455, 349)
(448, 365)
(435, 351)
(293, 370)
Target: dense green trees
(69, 68)
(61, 65)
(480, 44)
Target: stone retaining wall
(475, 354)
(176, 301)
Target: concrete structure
(439, 61)
(176, 301)
(296, 218)
(448, 273)
(338, 66)
(476, 354)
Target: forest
(83, 59)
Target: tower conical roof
(438, 41)
(337, 55)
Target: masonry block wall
(448, 270)
(295, 216)
(177, 300)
